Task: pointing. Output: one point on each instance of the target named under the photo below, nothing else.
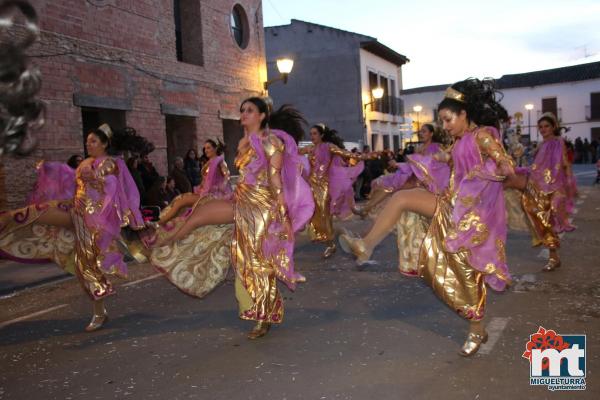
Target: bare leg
(56, 217)
(214, 212)
(185, 200)
(419, 201)
(378, 195)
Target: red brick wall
(101, 52)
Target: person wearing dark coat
(182, 183)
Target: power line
(277, 11)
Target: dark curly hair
(329, 135)
(481, 102)
(19, 82)
(123, 140)
(286, 118)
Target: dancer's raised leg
(417, 200)
(214, 212)
(184, 200)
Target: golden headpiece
(107, 131)
(551, 117)
(454, 95)
(322, 125)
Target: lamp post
(529, 107)
(284, 66)
(376, 94)
(418, 108)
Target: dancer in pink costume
(464, 246)
(270, 203)
(85, 229)
(548, 190)
(404, 177)
(215, 182)
(331, 180)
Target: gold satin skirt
(450, 276)
(320, 228)
(411, 229)
(256, 276)
(538, 209)
(87, 259)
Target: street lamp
(284, 66)
(529, 107)
(376, 94)
(418, 108)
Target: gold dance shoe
(356, 246)
(259, 330)
(553, 263)
(330, 250)
(473, 343)
(98, 320)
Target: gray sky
(447, 41)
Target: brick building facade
(175, 70)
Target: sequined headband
(550, 116)
(454, 95)
(107, 131)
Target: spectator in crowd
(578, 150)
(157, 194)
(133, 165)
(400, 156)
(147, 171)
(74, 161)
(182, 183)
(192, 167)
(586, 151)
(171, 189)
(570, 151)
(593, 151)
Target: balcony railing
(389, 105)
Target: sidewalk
(15, 276)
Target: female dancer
(384, 186)
(105, 200)
(549, 189)
(464, 246)
(331, 183)
(271, 201)
(215, 182)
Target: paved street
(347, 334)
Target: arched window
(239, 26)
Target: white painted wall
(572, 99)
(379, 123)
